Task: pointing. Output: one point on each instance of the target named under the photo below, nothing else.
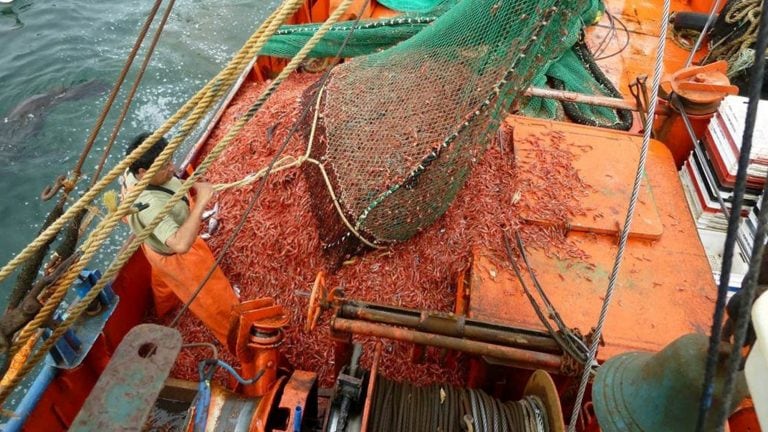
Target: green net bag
(397, 132)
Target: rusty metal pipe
(567, 96)
(513, 356)
(451, 325)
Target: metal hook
(51, 190)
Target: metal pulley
(701, 88)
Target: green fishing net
(574, 71)
(397, 131)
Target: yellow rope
(282, 164)
(202, 101)
(291, 162)
(740, 13)
(219, 81)
(127, 252)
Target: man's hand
(181, 241)
(203, 193)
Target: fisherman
(180, 259)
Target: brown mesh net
(398, 131)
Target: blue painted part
(201, 408)
(237, 376)
(67, 353)
(297, 413)
(66, 349)
(73, 347)
(30, 400)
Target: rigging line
(132, 91)
(287, 162)
(265, 177)
(71, 236)
(222, 78)
(647, 128)
(28, 273)
(608, 35)
(703, 34)
(755, 88)
(49, 191)
(201, 99)
(742, 318)
(563, 344)
(626, 41)
(675, 99)
(555, 315)
(208, 345)
(105, 227)
(550, 307)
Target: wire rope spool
(402, 406)
(393, 405)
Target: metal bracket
(129, 386)
(70, 350)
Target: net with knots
(397, 132)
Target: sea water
(48, 46)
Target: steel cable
(750, 280)
(440, 408)
(647, 128)
(710, 20)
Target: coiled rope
(741, 19)
(201, 101)
(405, 407)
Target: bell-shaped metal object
(647, 392)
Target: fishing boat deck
(665, 287)
(641, 18)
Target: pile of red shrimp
(278, 253)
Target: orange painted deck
(642, 19)
(665, 287)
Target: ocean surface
(58, 61)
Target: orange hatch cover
(665, 286)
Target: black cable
(755, 88)
(626, 42)
(577, 345)
(608, 35)
(587, 58)
(263, 181)
(749, 284)
(564, 344)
